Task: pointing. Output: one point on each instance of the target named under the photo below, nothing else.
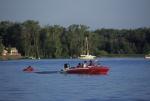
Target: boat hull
(147, 57)
(88, 70)
(87, 57)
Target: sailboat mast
(87, 45)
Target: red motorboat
(95, 69)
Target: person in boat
(79, 65)
(66, 66)
(29, 69)
(91, 63)
(85, 64)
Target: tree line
(55, 41)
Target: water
(127, 80)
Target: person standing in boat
(85, 64)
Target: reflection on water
(127, 80)
(47, 72)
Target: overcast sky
(93, 13)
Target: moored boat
(147, 56)
(87, 55)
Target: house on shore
(11, 53)
(14, 51)
(4, 53)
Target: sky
(96, 14)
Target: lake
(127, 80)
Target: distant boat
(87, 56)
(31, 57)
(147, 56)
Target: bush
(102, 52)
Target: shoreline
(15, 57)
(123, 55)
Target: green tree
(51, 43)
(4, 25)
(1, 46)
(76, 36)
(30, 38)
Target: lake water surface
(127, 80)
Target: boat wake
(47, 72)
